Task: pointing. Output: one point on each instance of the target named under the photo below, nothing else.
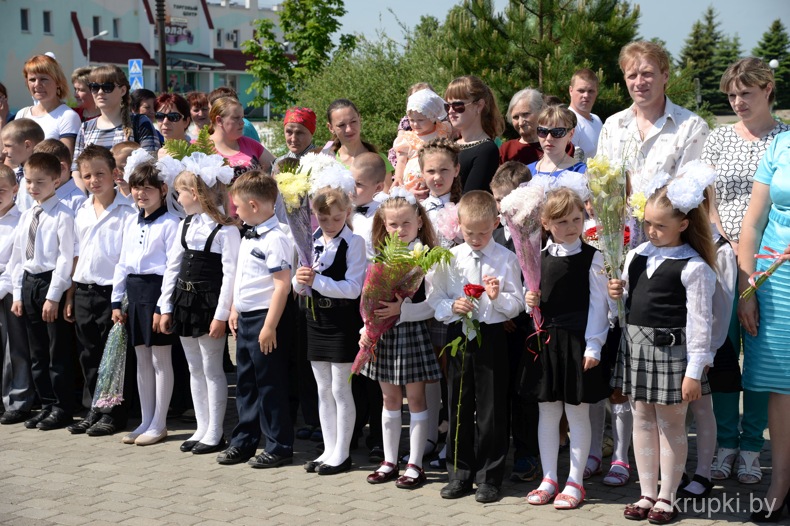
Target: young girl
(197, 292)
(333, 333)
(404, 354)
(556, 125)
(139, 275)
(670, 284)
(425, 110)
(572, 298)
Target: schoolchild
(368, 171)
(67, 191)
(19, 138)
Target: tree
(727, 53)
(284, 59)
(699, 52)
(775, 45)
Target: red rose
(474, 291)
(627, 238)
(591, 233)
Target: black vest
(337, 270)
(661, 299)
(565, 289)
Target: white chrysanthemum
(136, 158)
(522, 203)
(335, 176)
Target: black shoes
(83, 425)
(234, 455)
(104, 427)
(57, 419)
(456, 489)
(14, 417)
(187, 446)
(202, 449)
(486, 493)
(326, 469)
(31, 423)
(311, 466)
(270, 460)
(683, 493)
(376, 454)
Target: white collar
(563, 249)
(268, 225)
(488, 250)
(684, 251)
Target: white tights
(549, 442)
(706, 439)
(208, 385)
(155, 386)
(336, 410)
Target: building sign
(178, 20)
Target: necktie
(361, 210)
(31, 233)
(476, 256)
(251, 234)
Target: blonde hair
(643, 48)
(471, 87)
(477, 205)
(698, 233)
(220, 108)
(45, 65)
(560, 202)
(325, 198)
(210, 199)
(749, 72)
(379, 231)
(559, 113)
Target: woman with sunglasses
(48, 87)
(556, 125)
(473, 112)
(172, 114)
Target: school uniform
(100, 242)
(17, 385)
(22, 200)
(262, 379)
(71, 195)
(42, 261)
(483, 394)
(725, 375)
(667, 336)
(433, 206)
(362, 223)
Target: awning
(192, 60)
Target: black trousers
(262, 388)
(368, 402)
(484, 407)
(523, 412)
(50, 346)
(305, 387)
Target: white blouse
(356, 265)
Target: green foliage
(179, 149)
(775, 45)
(395, 252)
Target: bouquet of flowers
(447, 222)
(109, 383)
(395, 270)
(758, 278)
(608, 188)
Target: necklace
(467, 145)
(556, 166)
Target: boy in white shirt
(369, 172)
(67, 191)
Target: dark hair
(471, 87)
(749, 72)
(111, 73)
(174, 99)
(339, 104)
(3, 91)
(196, 98)
(426, 234)
(146, 174)
(451, 149)
(257, 185)
(24, 130)
(551, 100)
(45, 162)
(139, 95)
(222, 91)
(56, 148)
(511, 174)
(8, 174)
(94, 152)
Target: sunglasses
(557, 133)
(106, 87)
(457, 106)
(173, 116)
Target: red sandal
(569, 502)
(656, 516)
(539, 497)
(638, 513)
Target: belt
(196, 286)
(41, 275)
(323, 302)
(660, 337)
(92, 286)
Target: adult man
(583, 91)
(653, 134)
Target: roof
(192, 60)
(233, 59)
(118, 52)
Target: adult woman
(298, 127)
(86, 107)
(48, 87)
(473, 112)
(5, 112)
(735, 151)
(198, 111)
(226, 129)
(522, 113)
(766, 315)
(172, 114)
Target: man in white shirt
(584, 91)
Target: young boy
(523, 413)
(19, 138)
(67, 191)
(42, 261)
(17, 385)
(121, 152)
(481, 261)
(100, 231)
(260, 292)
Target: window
(96, 25)
(116, 28)
(235, 38)
(47, 22)
(219, 38)
(24, 20)
(229, 80)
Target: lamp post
(773, 64)
(94, 37)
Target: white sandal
(722, 464)
(749, 471)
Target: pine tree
(727, 53)
(699, 53)
(775, 45)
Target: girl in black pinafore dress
(196, 300)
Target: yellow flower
(638, 202)
(418, 250)
(293, 187)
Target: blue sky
(669, 20)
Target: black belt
(104, 289)
(197, 286)
(660, 337)
(42, 275)
(323, 302)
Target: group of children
(70, 259)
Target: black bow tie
(251, 234)
(361, 210)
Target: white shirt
(62, 122)
(54, 248)
(587, 132)
(226, 243)
(420, 311)
(598, 311)
(145, 247)
(363, 226)
(724, 293)
(447, 282)
(699, 280)
(8, 224)
(100, 240)
(70, 194)
(23, 200)
(676, 138)
(356, 265)
(258, 260)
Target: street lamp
(94, 37)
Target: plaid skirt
(404, 355)
(649, 373)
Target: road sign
(135, 67)
(136, 83)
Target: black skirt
(143, 291)
(333, 335)
(193, 311)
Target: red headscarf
(303, 116)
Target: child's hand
(166, 323)
(617, 397)
(420, 191)
(50, 311)
(305, 276)
(691, 389)
(233, 321)
(389, 308)
(616, 287)
(68, 308)
(492, 287)
(589, 363)
(365, 341)
(532, 299)
(462, 306)
(267, 339)
(155, 324)
(217, 329)
(17, 309)
(118, 316)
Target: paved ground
(56, 478)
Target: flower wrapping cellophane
(109, 381)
